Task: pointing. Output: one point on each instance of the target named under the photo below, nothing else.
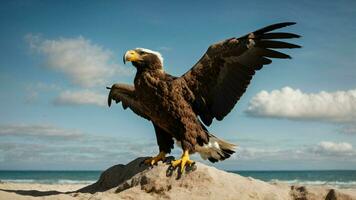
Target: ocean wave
(65, 181)
(48, 181)
(18, 180)
(338, 184)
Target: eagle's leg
(183, 161)
(154, 160)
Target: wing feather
(126, 95)
(222, 75)
(279, 35)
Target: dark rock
(116, 175)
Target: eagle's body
(179, 107)
(177, 119)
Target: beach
(135, 181)
(22, 191)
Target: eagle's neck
(148, 77)
(148, 66)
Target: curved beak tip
(123, 59)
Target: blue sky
(57, 57)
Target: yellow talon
(183, 161)
(160, 157)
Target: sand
(9, 191)
(133, 181)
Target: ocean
(335, 178)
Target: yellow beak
(131, 56)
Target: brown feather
(224, 72)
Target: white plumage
(158, 54)
(215, 149)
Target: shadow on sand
(35, 193)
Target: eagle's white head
(143, 58)
(158, 54)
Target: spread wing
(126, 95)
(222, 75)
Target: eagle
(180, 108)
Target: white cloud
(333, 148)
(38, 131)
(82, 97)
(85, 63)
(28, 147)
(248, 153)
(324, 150)
(339, 106)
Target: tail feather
(216, 150)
